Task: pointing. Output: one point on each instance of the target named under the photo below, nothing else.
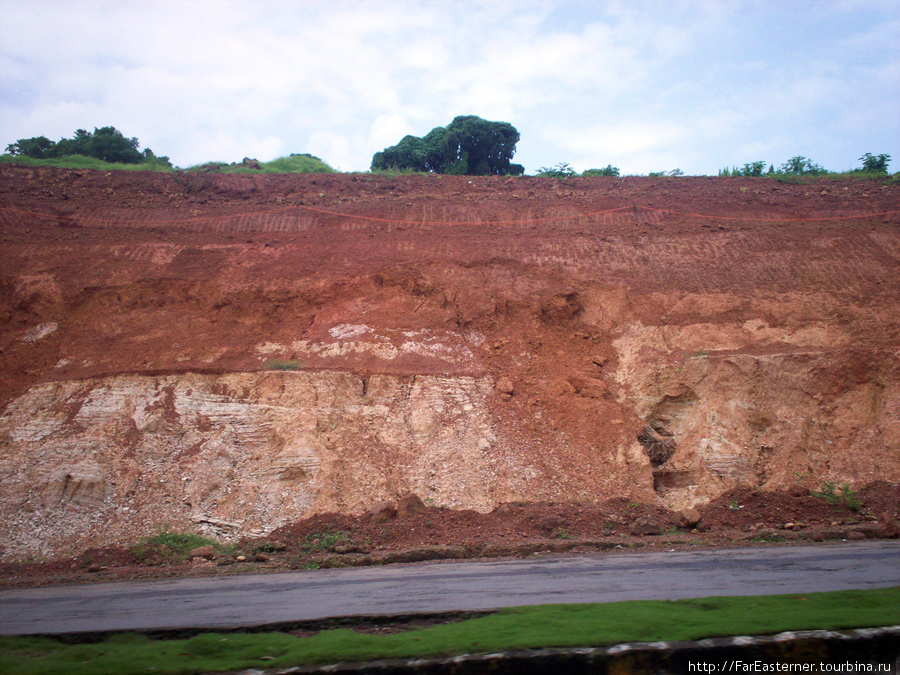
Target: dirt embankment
(230, 354)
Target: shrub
(322, 542)
(750, 170)
(561, 170)
(610, 170)
(663, 174)
(801, 166)
(835, 496)
(874, 163)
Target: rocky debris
(551, 523)
(599, 360)
(589, 387)
(514, 529)
(405, 507)
(206, 552)
(645, 525)
(383, 511)
(345, 549)
(422, 553)
(410, 505)
(688, 518)
(889, 527)
(505, 388)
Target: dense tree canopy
(469, 146)
(106, 143)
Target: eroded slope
(476, 341)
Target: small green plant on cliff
(321, 542)
(845, 495)
(171, 547)
(283, 364)
(768, 538)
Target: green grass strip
(517, 628)
(82, 162)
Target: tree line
(802, 166)
(469, 146)
(107, 144)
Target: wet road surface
(437, 587)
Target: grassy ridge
(82, 162)
(305, 163)
(292, 164)
(518, 628)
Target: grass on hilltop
(82, 162)
(292, 164)
(304, 163)
(509, 629)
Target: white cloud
(639, 83)
(388, 129)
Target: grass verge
(518, 628)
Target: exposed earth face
(229, 354)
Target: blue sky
(644, 85)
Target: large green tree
(106, 143)
(468, 145)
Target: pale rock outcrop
(108, 460)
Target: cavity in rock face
(658, 448)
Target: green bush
(322, 542)
(874, 163)
(802, 166)
(835, 496)
(561, 170)
(610, 170)
(170, 547)
(663, 174)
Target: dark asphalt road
(261, 599)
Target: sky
(643, 85)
